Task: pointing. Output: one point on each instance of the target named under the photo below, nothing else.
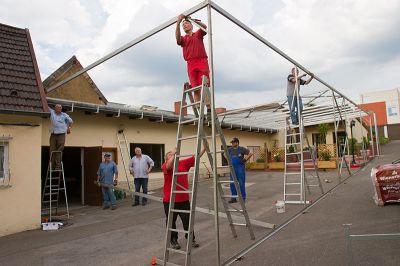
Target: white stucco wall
(20, 204)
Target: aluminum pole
(129, 45)
(213, 140)
(372, 136)
(376, 137)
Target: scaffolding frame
(273, 114)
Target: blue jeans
(240, 172)
(294, 115)
(141, 182)
(108, 196)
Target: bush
(260, 160)
(325, 156)
(383, 140)
(291, 149)
(276, 157)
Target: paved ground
(133, 235)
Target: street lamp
(352, 124)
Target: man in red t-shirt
(181, 199)
(194, 54)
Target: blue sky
(353, 45)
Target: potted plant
(325, 162)
(276, 163)
(291, 157)
(259, 164)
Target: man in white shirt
(140, 166)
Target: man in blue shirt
(105, 176)
(239, 156)
(140, 166)
(60, 124)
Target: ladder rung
(226, 181)
(191, 104)
(182, 191)
(293, 173)
(229, 196)
(223, 167)
(294, 163)
(192, 89)
(293, 134)
(239, 224)
(184, 155)
(56, 170)
(222, 151)
(299, 152)
(234, 210)
(189, 121)
(178, 230)
(182, 173)
(293, 143)
(292, 183)
(53, 193)
(52, 207)
(177, 251)
(53, 186)
(181, 211)
(293, 194)
(47, 201)
(188, 137)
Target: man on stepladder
(292, 100)
(194, 54)
(181, 199)
(60, 125)
(239, 156)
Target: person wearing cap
(292, 100)
(140, 166)
(239, 156)
(107, 176)
(182, 201)
(60, 125)
(194, 54)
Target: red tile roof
(21, 88)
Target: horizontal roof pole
(129, 45)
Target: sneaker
(114, 207)
(144, 203)
(175, 244)
(195, 244)
(232, 201)
(135, 204)
(106, 207)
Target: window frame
(5, 172)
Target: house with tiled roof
(22, 108)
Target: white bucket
(280, 206)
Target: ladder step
(221, 151)
(178, 230)
(229, 196)
(177, 251)
(188, 137)
(47, 194)
(293, 143)
(293, 194)
(182, 173)
(299, 152)
(191, 104)
(192, 89)
(293, 134)
(189, 121)
(223, 167)
(182, 191)
(234, 210)
(293, 173)
(184, 155)
(239, 224)
(181, 211)
(298, 163)
(292, 184)
(48, 201)
(226, 181)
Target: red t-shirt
(193, 46)
(183, 166)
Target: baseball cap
(235, 140)
(107, 154)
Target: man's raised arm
(178, 29)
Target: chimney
(177, 107)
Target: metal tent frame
(271, 115)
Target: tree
(323, 130)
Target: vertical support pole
(349, 250)
(213, 132)
(372, 136)
(376, 136)
(336, 124)
(364, 155)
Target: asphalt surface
(133, 235)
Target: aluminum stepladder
(295, 181)
(200, 137)
(53, 184)
(124, 150)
